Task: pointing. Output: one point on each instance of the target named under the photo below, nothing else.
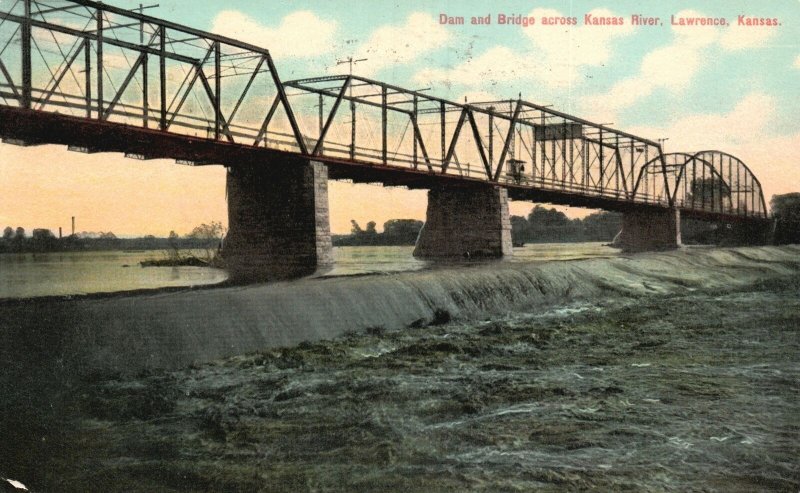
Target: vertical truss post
(384, 125)
(543, 147)
(534, 164)
(703, 189)
(217, 90)
(618, 168)
(490, 157)
(27, 72)
(508, 144)
(602, 161)
(713, 184)
(87, 52)
(162, 76)
(564, 152)
(443, 126)
(145, 94)
(100, 104)
(730, 184)
(321, 113)
(585, 163)
(414, 122)
(571, 160)
(632, 152)
(352, 128)
(738, 188)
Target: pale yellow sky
(42, 187)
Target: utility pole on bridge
(349, 60)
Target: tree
(601, 226)
(42, 234)
(211, 234)
(519, 230)
(786, 211)
(8, 233)
(371, 228)
(211, 231)
(786, 206)
(402, 228)
(709, 193)
(401, 231)
(541, 217)
(43, 240)
(20, 234)
(355, 229)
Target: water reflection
(72, 273)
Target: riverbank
(675, 371)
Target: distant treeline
(43, 240)
(541, 226)
(551, 226)
(395, 232)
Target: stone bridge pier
(469, 221)
(278, 223)
(649, 230)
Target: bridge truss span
(510, 142)
(706, 183)
(98, 62)
(103, 79)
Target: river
(74, 273)
(672, 371)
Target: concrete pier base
(466, 222)
(278, 222)
(649, 230)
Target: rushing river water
(73, 273)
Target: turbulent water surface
(660, 389)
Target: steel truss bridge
(103, 79)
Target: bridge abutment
(466, 222)
(649, 230)
(278, 221)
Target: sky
(731, 88)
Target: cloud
(398, 44)
(301, 34)
(747, 121)
(554, 55)
(737, 37)
(674, 66)
(746, 132)
(670, 67)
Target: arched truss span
(706, 181)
